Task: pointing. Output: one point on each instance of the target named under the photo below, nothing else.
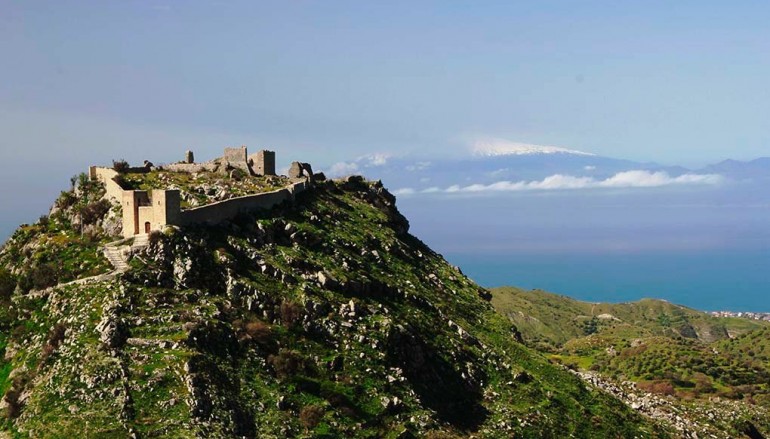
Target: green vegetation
(323, 318)
(549, 321)
(204, 187)
(666, 349)
(63, 246)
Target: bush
(95, 211)
(259, 331)
(238, 174)
(287, 363)
(153, 238)
(120, 166)
(66, 200)
(659, 387)
(44, 276)
(7, 284)
(55, 338)
(83, 180)
(310, 416)
(291, 313)
(121, 181)
(13, 407)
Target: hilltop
(318, 316)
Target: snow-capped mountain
(499, 164)
(498, 147)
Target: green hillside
(663, 348)
(321, 318)
(548, 320)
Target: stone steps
(116, 256)
(141, 241)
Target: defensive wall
(191, 167)
(106, 176)
(144, 212)
(228, 209)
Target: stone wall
(163, 207)
(228, 209)
(235, 155)
(106, 175)
(191, 167)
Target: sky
(87, 82)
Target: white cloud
(378, 159)
(404, 191)
(627, 179)
(655, 179)
(367, 161)
(589, 167)
(419, 166)
(343, 168)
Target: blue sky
(85, 82)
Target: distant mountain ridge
(757, 168)
(501, 148)
(490, 163)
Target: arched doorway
(147, 227)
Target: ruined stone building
(144, 212)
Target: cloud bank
(627, 179)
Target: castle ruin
(144, 212)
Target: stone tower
(263, 162)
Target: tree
(120, 166)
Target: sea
(714, 280)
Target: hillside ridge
(319, 317)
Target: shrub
(83, 180)
(44, 276)
(238, 174)
(122, 182)
(55, 337)
(7, 284)
(66, 200)
(120, 166)
(287, 363)
(291, 313)
(258, 331)
(95, 211)
(310, 416)
(659, 387)
(13, 407)
(153, 238)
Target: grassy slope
(664, 347)
(208, 342)
(550, 320)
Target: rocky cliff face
(322, 318)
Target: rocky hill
(320, 318)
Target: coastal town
(742, 314)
